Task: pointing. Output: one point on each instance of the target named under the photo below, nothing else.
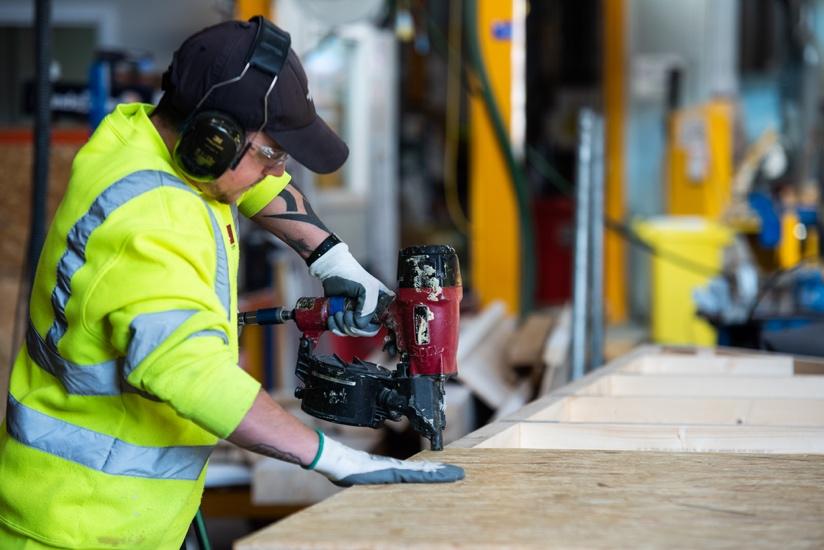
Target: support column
(615, 69)
(494, 238)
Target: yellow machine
(701, 160)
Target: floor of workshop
(230, 514)
(223, 532)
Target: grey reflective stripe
(222, 273)
(218, 333)
(148, 331)
(115, 196)
(102, 452)
(98, 379)
(106, 378)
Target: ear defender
(209, 144)
(212, 142)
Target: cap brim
(315, 146)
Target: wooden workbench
(658, 448)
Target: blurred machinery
(766, 192)
(119, 76)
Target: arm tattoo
(302, 212)
(268, 450)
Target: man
(129, 375)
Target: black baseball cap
(219, 53)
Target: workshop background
(610, 172)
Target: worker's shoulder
(158, 197)
(128, 199)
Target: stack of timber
(661, 447)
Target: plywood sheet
(565, 499)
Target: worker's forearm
(291, 218)
(269, 430)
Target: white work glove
(342, 275)
(345, 467)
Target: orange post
(245, 9)
(494, 236)
(614, 71)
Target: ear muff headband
(211, 142)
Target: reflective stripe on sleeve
(98, 379)
(149, 330)
(106, 378)
(102, 452)
(211, 332)
(115, 196)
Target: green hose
(517, 174)
(200, 532)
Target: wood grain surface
(519, 498)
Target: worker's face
(263, 158)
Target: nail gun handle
(342, 303)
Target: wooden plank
(489, 431)
(715, 365)
(535, 499)
(659, 437)
(526, 347)
(556, 353)
(809, 365)
(686, 410)
(804, 387)
(483, 369)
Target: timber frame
(676, 399)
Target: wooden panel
(659, 437)
(809, 365)
(584, 499)
(806, 387)
(713, 365)
(687, 410)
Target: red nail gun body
(422, 322)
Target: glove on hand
(342, 275)
(345, 467)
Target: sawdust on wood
(519, 498)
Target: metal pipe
(596, 286)
(42, 133)
(582, 256)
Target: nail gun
(422, 325)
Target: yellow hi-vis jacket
(129, 371)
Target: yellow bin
(699, 241)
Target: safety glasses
(270, 157)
